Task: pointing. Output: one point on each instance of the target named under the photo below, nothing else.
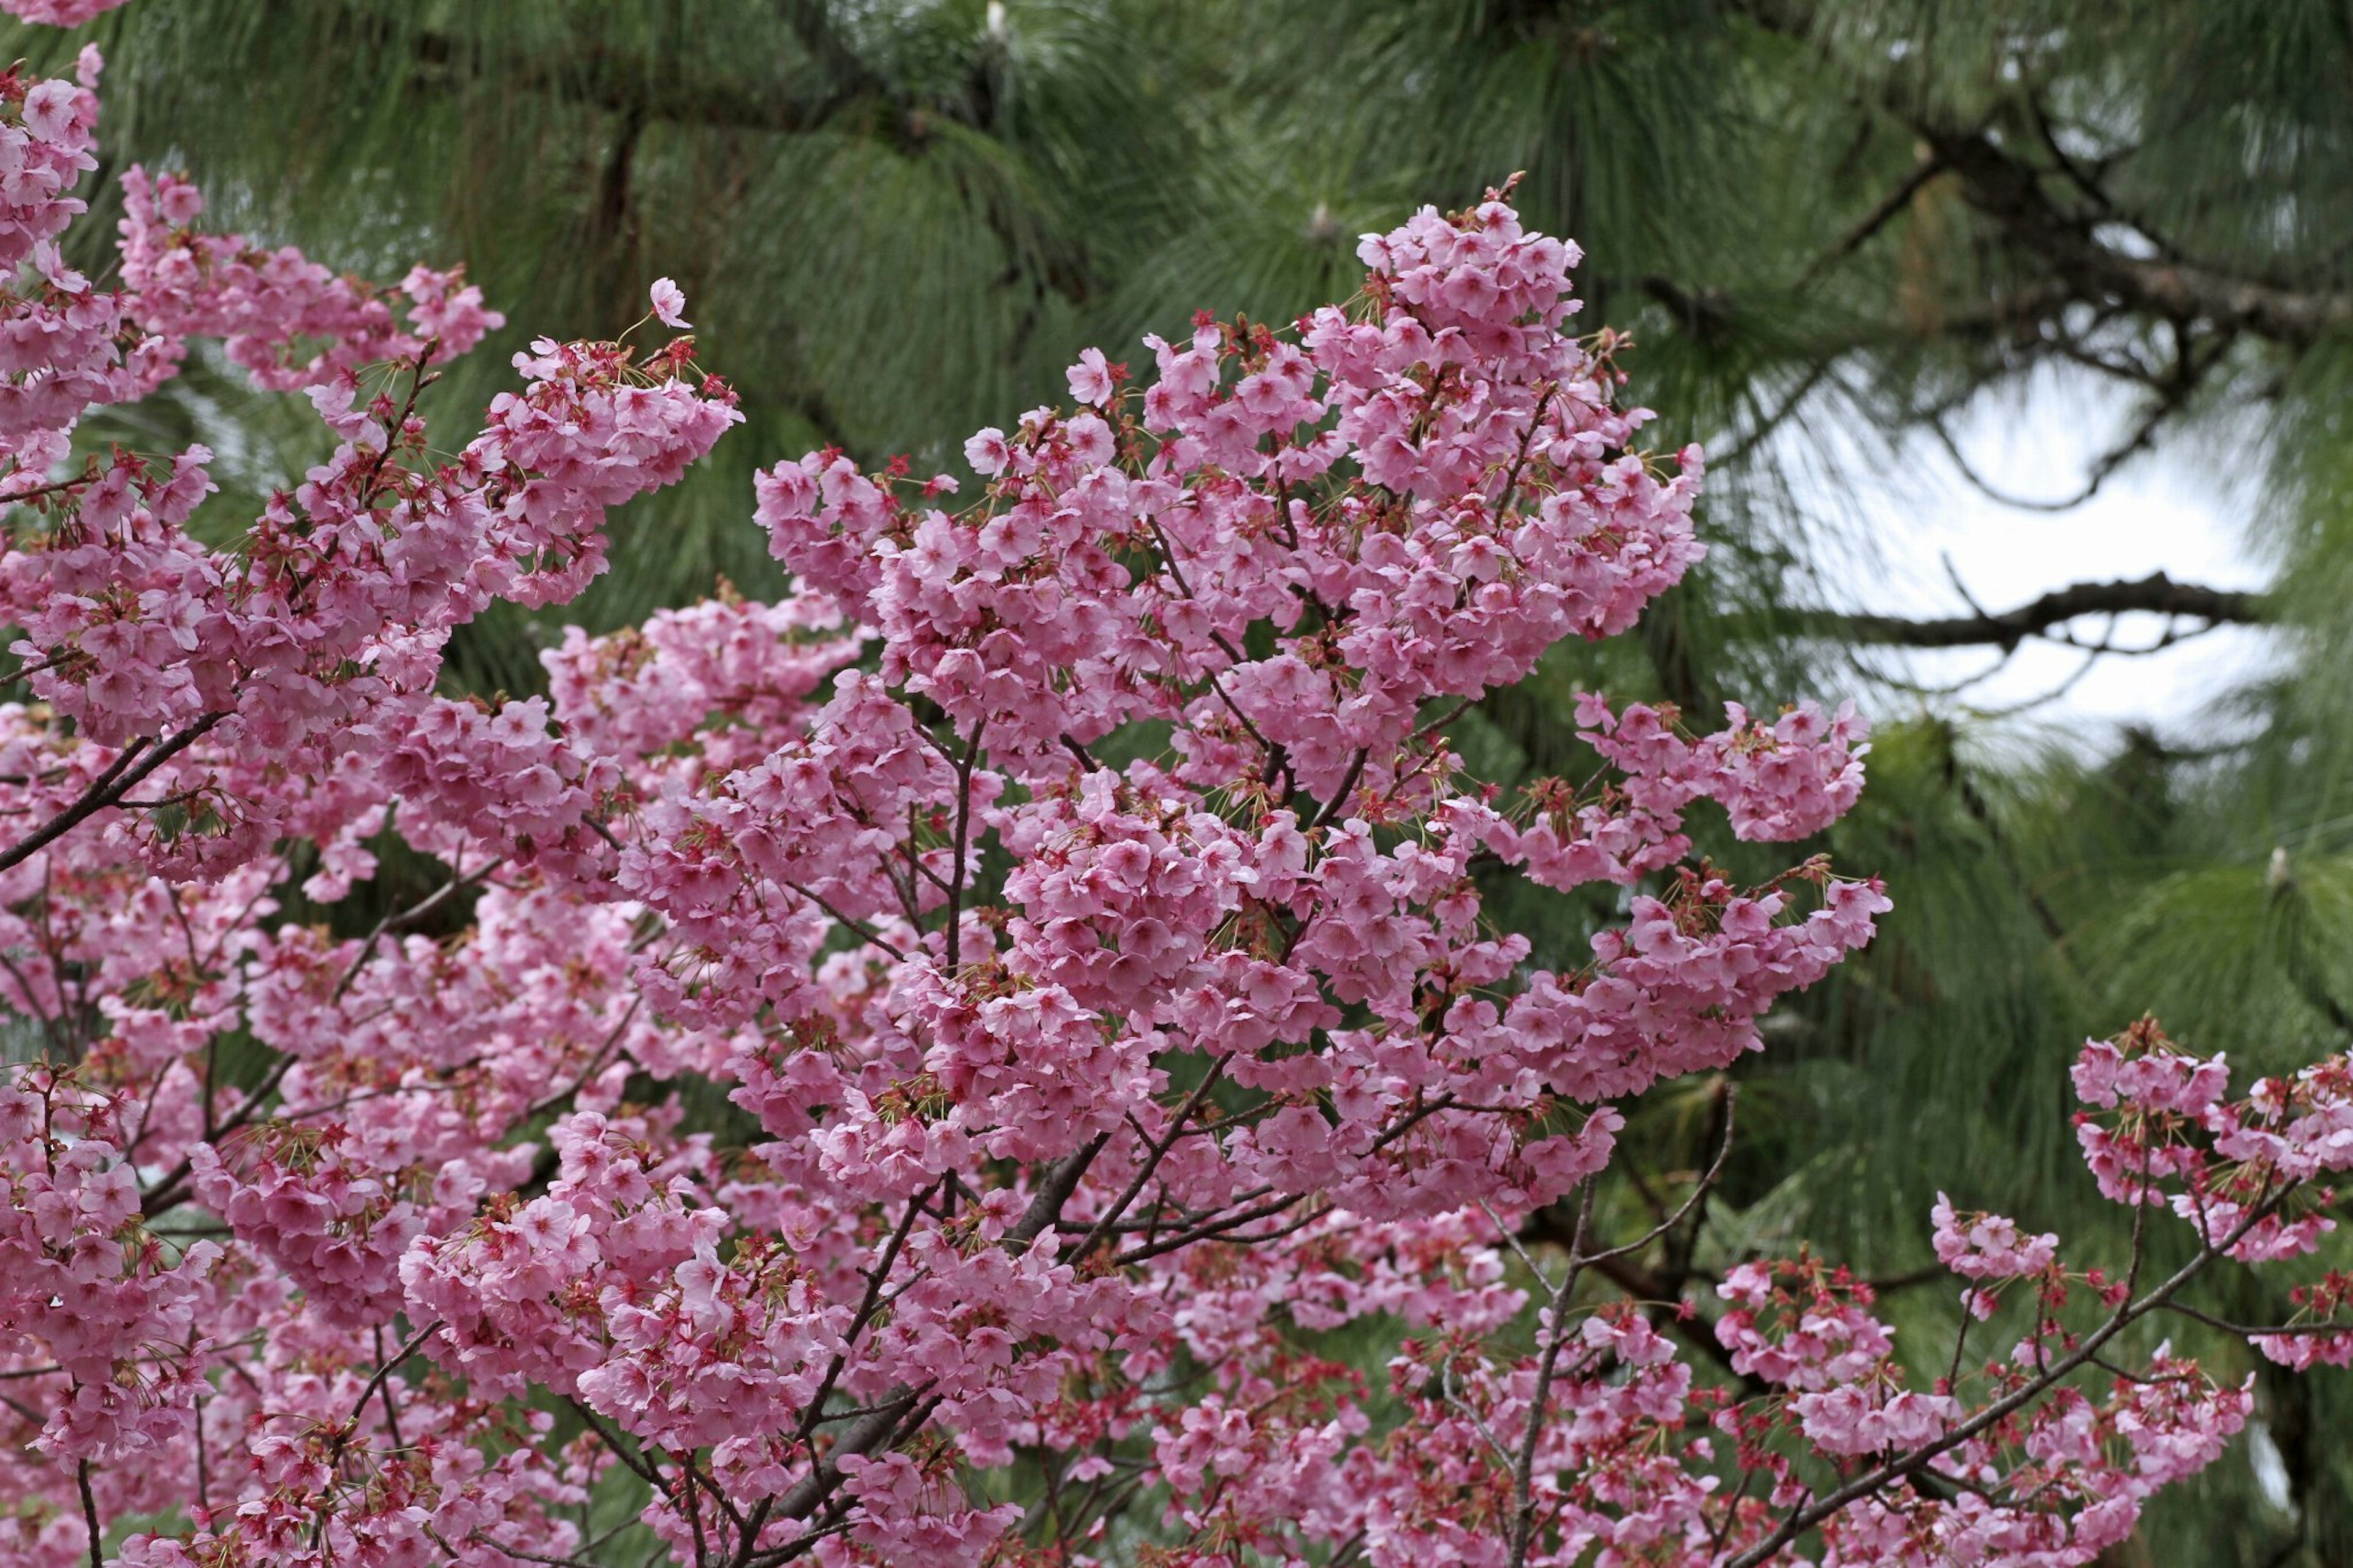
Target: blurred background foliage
(1834, 224)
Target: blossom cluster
(925, 1067)
(59, 13)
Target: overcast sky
(2161, 512)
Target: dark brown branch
(1705, 313)
(622, 1448)
(603, 79)
(2155, 593)
(351, 1426)
(876, 1279)
(125, 774)
(881, 1426)
(90, 1516)
(167, 1193)
(963, 838)
(2015, 195)
(1155, 1151)
(2104, 468)
(1882, 214)
(2008, 190)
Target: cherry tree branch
(125, 773)
(963, 838)
(352, 1423)
(1155, 1151)
(881, 1426)
(2086, 1351)
(89, 1515)
(1524, 1466)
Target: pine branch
(604, 80)
(2014, 193)
(2155, 593)
(2009, 191)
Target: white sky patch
(1901, 534)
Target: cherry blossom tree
(1073, 892)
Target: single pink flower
(670, 303)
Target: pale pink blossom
(670, 303)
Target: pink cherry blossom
(670, 303)
(59, 13)
(1090, 379)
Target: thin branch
(1156, 1151)
(1700, 1190)
(2261, 1331)
(1209, 1230)
(167, 1193)
(2012, 193)
(2143, 437)
(394, 922)
(1802, 1519)
(1883, 212)
(124, 775)
(642, 1465)
(863, 931)
(963, 837)
(352, 1423)
(1523, 1499)
(1339, 800)
(881, 1426)
(90, 1516)
(1519, 459)
(813, 1416)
